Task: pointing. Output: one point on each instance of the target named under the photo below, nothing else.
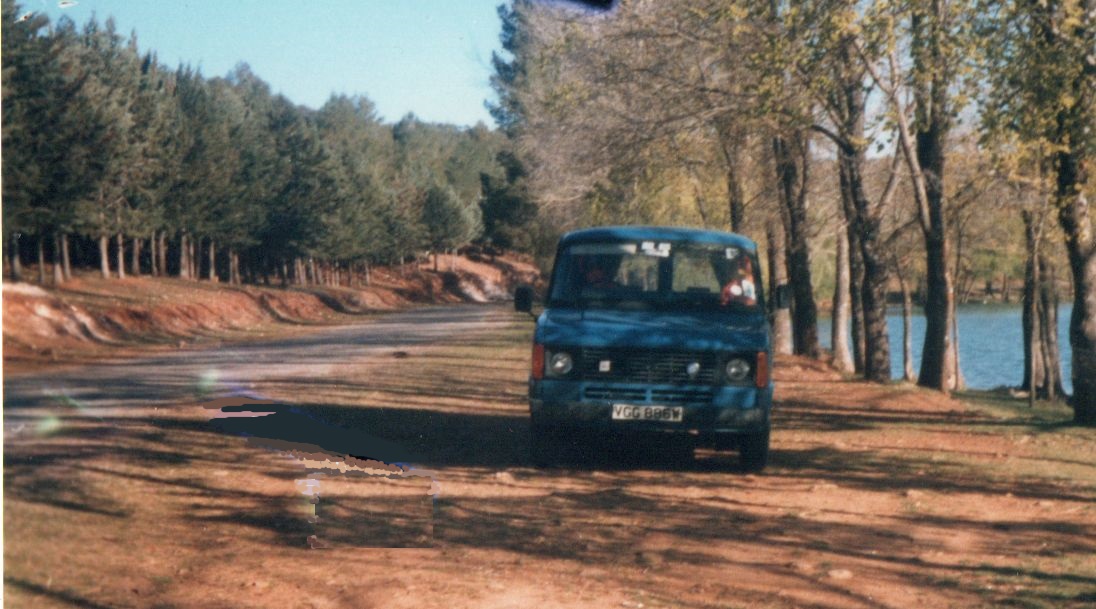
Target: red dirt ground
(877, 496)
(89, 317)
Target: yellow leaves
(847, 22)
(1067, 100)
(860, 143)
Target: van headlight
(560, 364)
(737, 370)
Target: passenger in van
(741, 288)
(597, 276)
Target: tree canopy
(103, 142)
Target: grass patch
(1046, 415)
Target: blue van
(653, 330)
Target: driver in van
(741, 288)
(596, 276)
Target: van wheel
(753, 451)
(542, 445)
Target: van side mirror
(783, 296)
(523, 299)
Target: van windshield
(657, 275)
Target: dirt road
(138, 485)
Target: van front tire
(753, 451)
(543, 446)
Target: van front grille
(648, 366)
(654, 396)
(615, 394)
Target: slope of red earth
(88, 317)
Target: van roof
(657, 233)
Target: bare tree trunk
(792, 166)
(927, 165)
(66, 258)
(213, 261)
(153, 255)
(907, 324)
(877, 365)
(104, 256)
(1042, 358)
(937, 362)
(233, 267)
(58, 270)
(41, 260)
(135, 257)
(162, 253)
(1042, 362)
(313, 270)
(856, 299)
(15, 260)
(184, 256)
(856, 271)
(120, 254)
(956, 381)
(1073, 214)
(778, 275)
(839, 329)
(195, 258)
(867, 225)
(1033, 363)
(1052, 355)
(15, 257)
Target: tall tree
(53, 129)
(449, 223)
(1044, 98)
(941, 42)
(823, 45)
(507, 207)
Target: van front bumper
(704, 409)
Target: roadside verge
(89, 318)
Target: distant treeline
(113, 159)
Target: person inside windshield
(741, 288)
(597, 275)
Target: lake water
(991, 349)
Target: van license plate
(633, 412)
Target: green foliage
(507, 207)
(1042, 75)
(100, 139)
(448, 222)
(53, 131)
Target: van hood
(653, 330)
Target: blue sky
(430, 57)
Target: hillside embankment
(90, 318)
